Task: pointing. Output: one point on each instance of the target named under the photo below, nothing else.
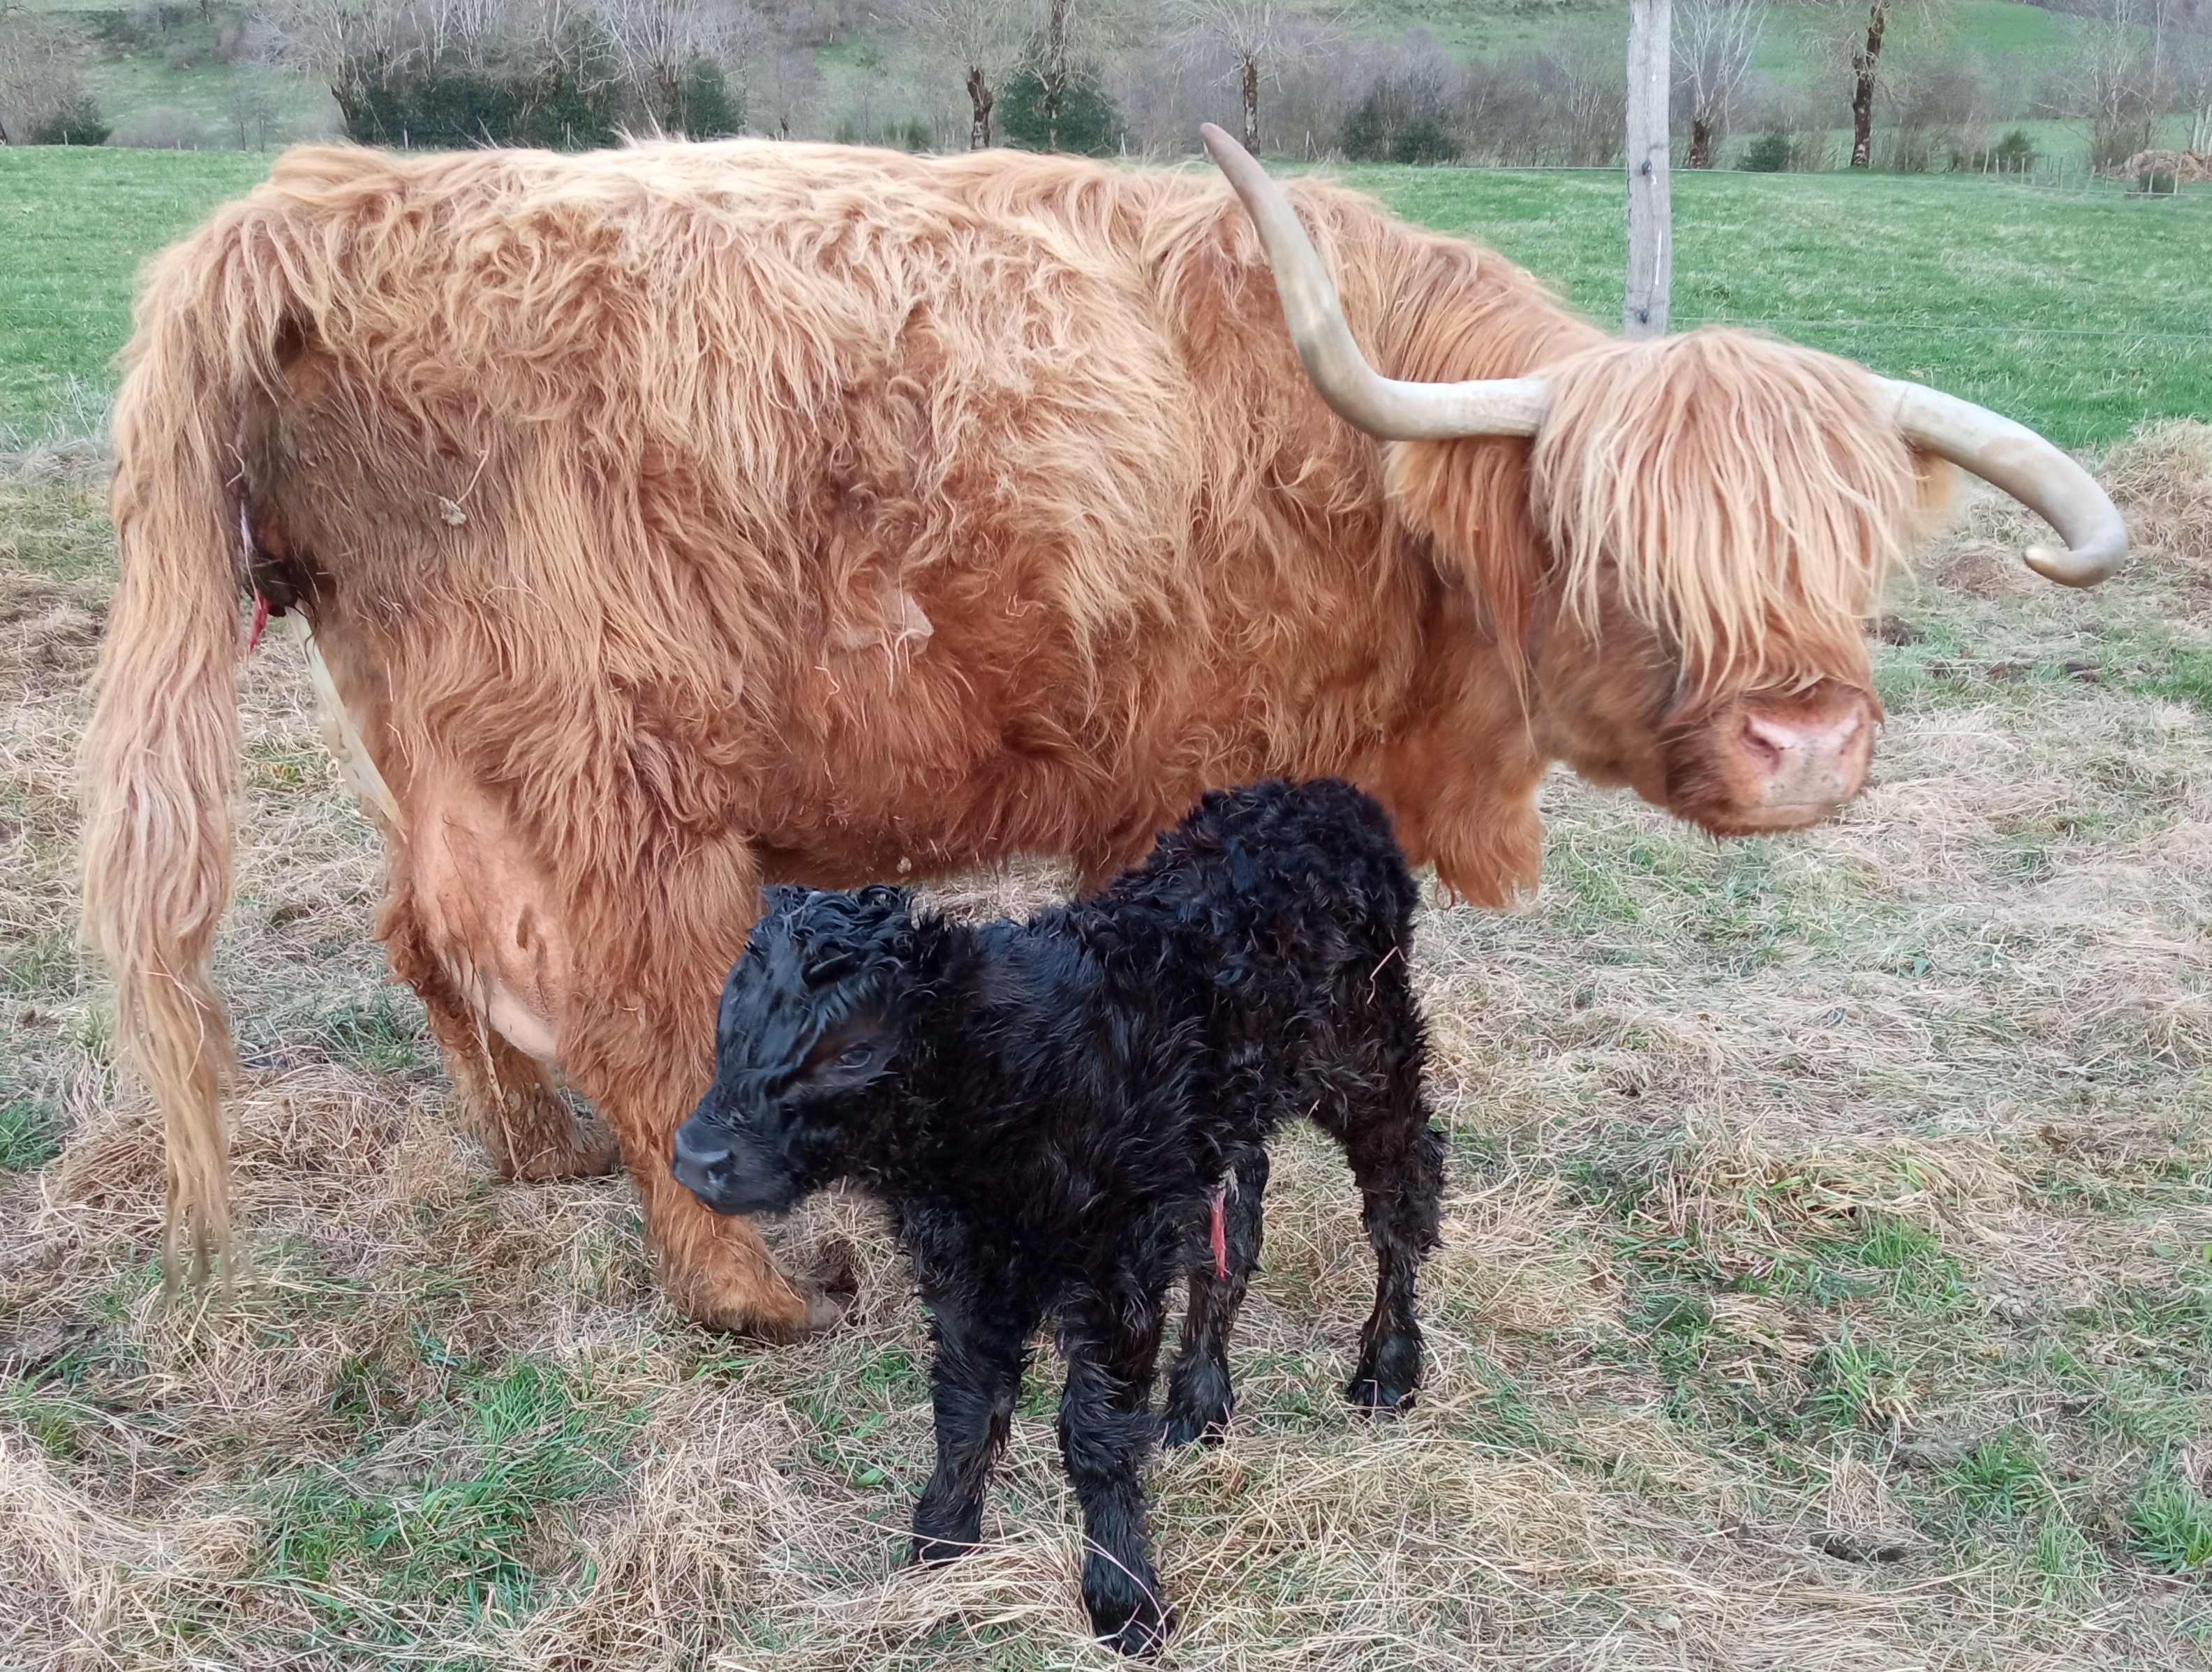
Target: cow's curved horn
(1383, 407)
(2005, 454)
(2015, 458)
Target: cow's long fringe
(161, 760)
(1744, 497)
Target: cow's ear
(849, 1056)
(1470, 499)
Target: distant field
(2081, 314)
(1475, 28)
(76, 224)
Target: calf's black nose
(702, 1162)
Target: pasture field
(1828, 1277)
(2081, 314)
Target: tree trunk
(1250, 68)
(1866, 65)
(1701, 141)
(979, 96)
(1055, 68)
(1650, 212)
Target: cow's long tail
(160, 761)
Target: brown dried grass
(1929, 1087)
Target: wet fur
(1048, 1107)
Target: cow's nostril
(1762, 743)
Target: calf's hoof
(1373, 1398)
(1127, 1614)
(1199, 1406)
(1384, 1383)
(935, 1550)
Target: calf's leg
(1111, 1344)
(1199, 1396)
(1397, 1160)
(973, 1384)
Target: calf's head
(805, 1043)
(1679, 568)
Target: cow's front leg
(638, 1037)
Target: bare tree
(1060, 26)
(18, 58)
(2193, 82)
(350, 44)
(1714, 40)
(983, 40)
(1260, 37)
(657, 42)
(2112, 81)
(1861, 37)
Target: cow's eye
(856, 1055)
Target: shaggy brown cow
(676, 519)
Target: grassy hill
(169, 59)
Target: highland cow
(675, 519)
(1049, 1108)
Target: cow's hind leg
(1397, 1160)
(507, 1099)
(1199, 1396)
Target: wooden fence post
(1650, 209)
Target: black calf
(1050, 1107)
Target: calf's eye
(856, 1056)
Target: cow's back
(902, 509)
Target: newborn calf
(1067, 1115)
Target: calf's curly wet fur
(1059, 1112)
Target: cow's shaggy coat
(1048, 1108)
(677, 519)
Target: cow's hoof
(779, 1312)
(593, 1153)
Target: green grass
(463, 1539)
(28, 1139)
(2080, 314)
(75, 224)
(2170, 1526)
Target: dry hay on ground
(1826, 1280)
(2187, 166)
